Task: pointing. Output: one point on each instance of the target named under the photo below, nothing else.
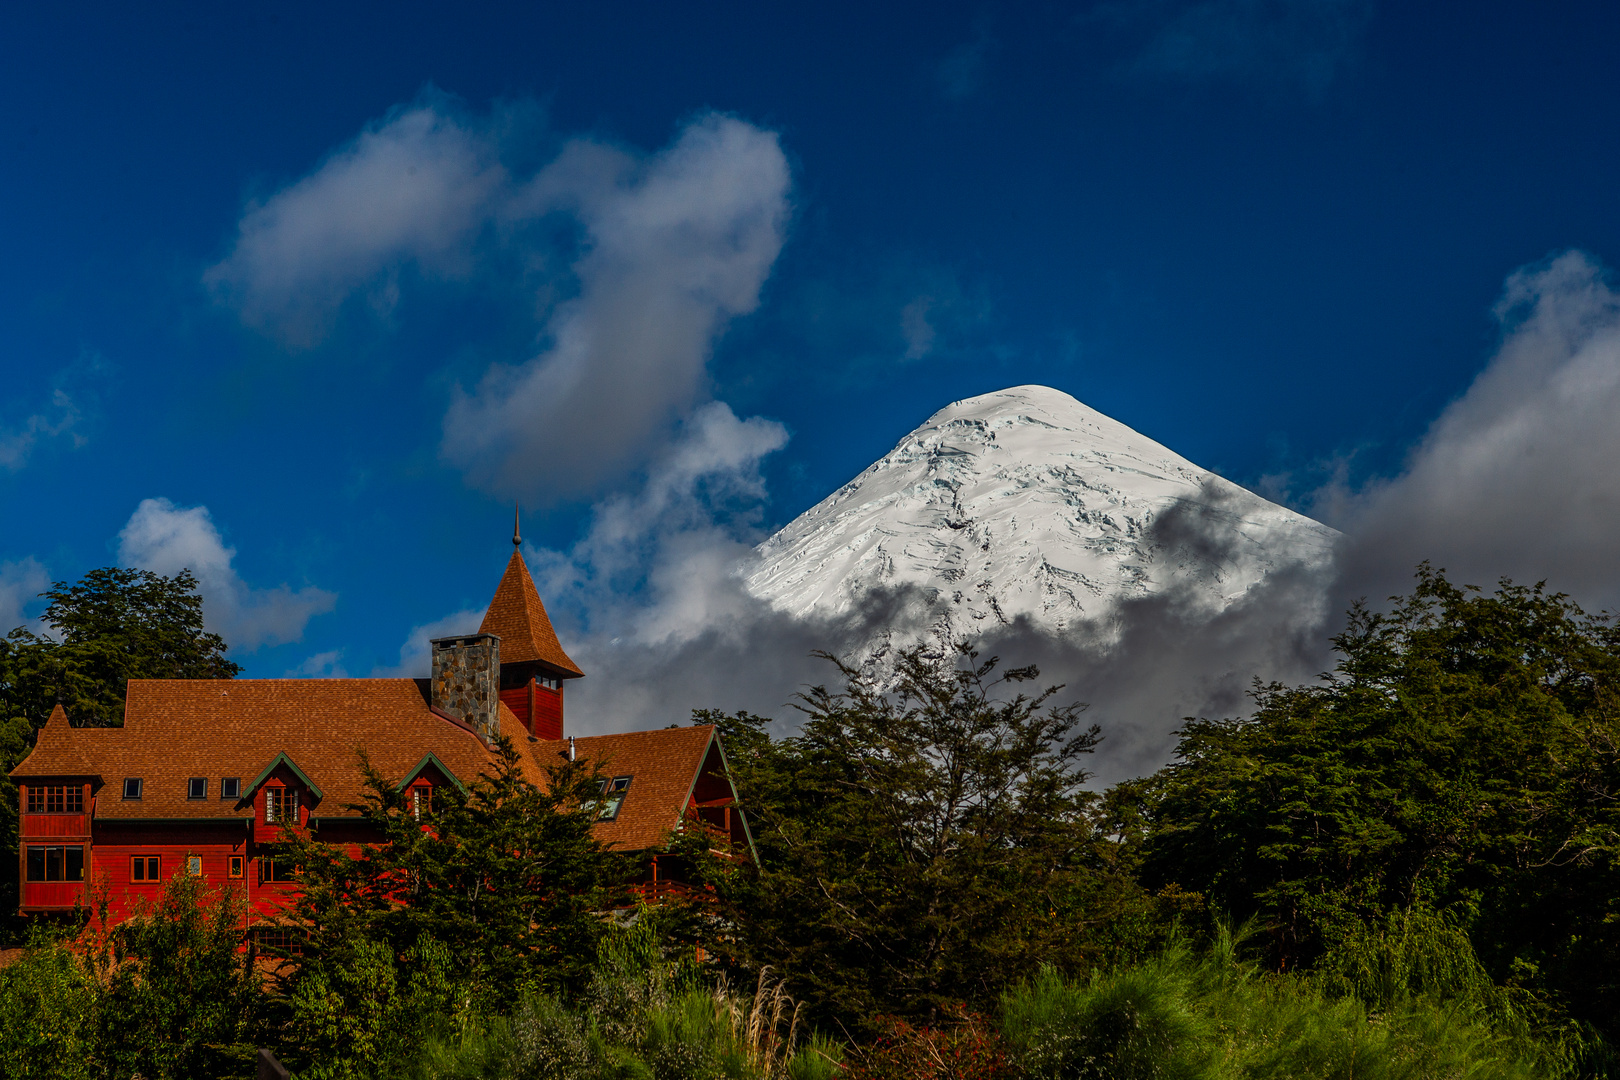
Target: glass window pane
(196, 788)
(36, 864)
(75, 864)
(53, 864)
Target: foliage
(921, 844)
(112, 626)
(1186, 1016)
(167, 995)
(645, 1017)
(508, 881)
(963, 1047)
(48, 1005)
(176, 968)
(1464, 757)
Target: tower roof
(519, 618)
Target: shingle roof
(519, 618)
(664, 766)
(179, 728)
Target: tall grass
(1188, 1016)
(643, 1018)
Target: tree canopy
(111, 626)
(1463, 756)
(922, 842)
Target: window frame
(191, 788)
(279, 802)
(68, 798)
(269, 875)
(421, 796)
(194, 866)
(235, 792)
(610, 801)
(151, 870)
(234, 866)
(139, 788)
(45, 861)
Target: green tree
(922, 842)
(1463, 756)
(508, 880)
(178, 994)
(114, 625)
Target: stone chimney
(466, 681)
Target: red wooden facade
(205, 775)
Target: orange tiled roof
(179, 728)
(519, 618)
(664, 767)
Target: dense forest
(1405, 869)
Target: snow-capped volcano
(1026, 502)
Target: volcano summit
(1025, 503)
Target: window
(612, 798)
(230, 787)
(144, 868)
(197, 788)
(56, 799)
(284, 940)
(55, 863)
(194, 866)
(132, 787)
(280, 805)
(421, 801)
(273, 869)
(234, 863)
(550, 682)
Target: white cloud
(416, 655)
(324, 665)
(166, 539)
(21, 582)
(663, 250)
(675, 247)
(17, 443)
(916, 329)
(414, 189)
(1517, 477)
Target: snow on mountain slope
(1026, 502)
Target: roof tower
(518, 617)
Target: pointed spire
(517, 537)
(519, 618)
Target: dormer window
(550, 682)
(197, 788)
(132, 787)
(612, 797)
(280, 806)
(230, 787)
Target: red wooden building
(205, 774)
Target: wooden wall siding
(74, 825)
(540, 709)
(547, 722)
(52, 894)
(519, 701)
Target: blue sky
(307, 296)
